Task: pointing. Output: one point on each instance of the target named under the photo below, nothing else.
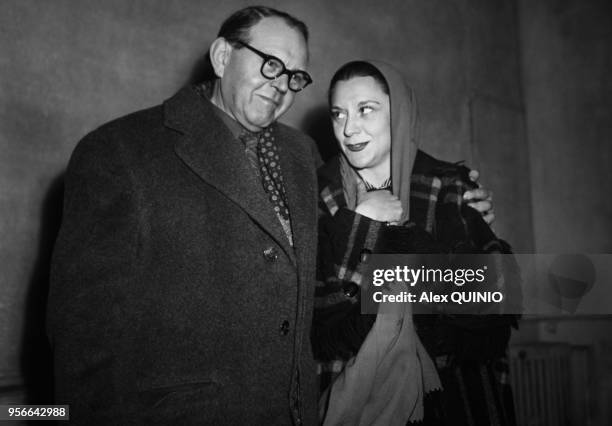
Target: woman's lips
(356, 147)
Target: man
(182, 287)
(182, 279)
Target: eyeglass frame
(285, 70)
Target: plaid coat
(440, 222)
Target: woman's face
(361, 119)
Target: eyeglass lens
(273, 67)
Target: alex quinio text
(429, 297)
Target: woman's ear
(220, 51)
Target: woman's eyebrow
(368, 102)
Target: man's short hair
(237, 27)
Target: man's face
(253, 100)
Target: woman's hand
(379, 205)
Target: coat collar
(209, 149)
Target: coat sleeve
(93, 263)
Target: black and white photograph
(338, 213)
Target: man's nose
(281, 83)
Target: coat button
(270, 254)
(284, 328)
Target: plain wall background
(518, 89)
(566, 52)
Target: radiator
(541, 378)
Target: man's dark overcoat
(175, 296)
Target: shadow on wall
(317, 125)
(35, 352)
(202, 70)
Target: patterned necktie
(263, 154)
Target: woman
(383, 195)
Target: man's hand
(480, 199)
(379, 205)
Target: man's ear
(220, 51)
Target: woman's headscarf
(404, 141)
(385, 383)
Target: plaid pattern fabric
(345, 237)
(350, 235)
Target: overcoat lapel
(301, 199)
(209, 149)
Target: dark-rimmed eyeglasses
(273, 68)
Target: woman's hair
(237, 27)
(356, 69)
